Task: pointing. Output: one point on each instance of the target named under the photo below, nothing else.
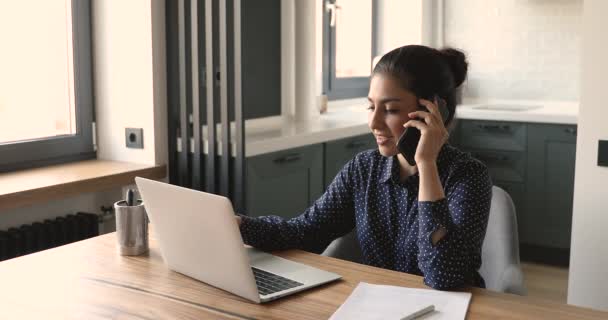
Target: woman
(427, 219)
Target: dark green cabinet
(549, 185)
(284, 183)
(501, 146)
(497, 135)
(503, 166)
(534, 163)
(287, 182)
(339, 152)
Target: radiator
(49, 233)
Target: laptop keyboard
(269, 283)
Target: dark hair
(426, 71)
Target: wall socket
(602, 153)
(134, 138)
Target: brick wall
(518, 49)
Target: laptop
(199, 237)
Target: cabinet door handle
(494, 127)
(287, 158)
(571, 131)
(355, 145)
(491, 157)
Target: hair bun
(457, 62)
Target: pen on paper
(421, 312)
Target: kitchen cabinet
(496, 135)
(284, 183)
(534, 163)
(501, 146)
(287, 182)
(339, 152)
(549, 185)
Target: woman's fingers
(428, 124)
(416, 124)
(427, 117)
(432, 107)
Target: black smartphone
(408, 142)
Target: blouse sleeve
(330, 217)
(464, 215)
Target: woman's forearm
(430, 189)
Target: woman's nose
(375, 120)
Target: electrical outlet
(602, 153)
(134, 138)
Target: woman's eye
(371, 108)
(392, 111)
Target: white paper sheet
(370, 301)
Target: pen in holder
(131, 226)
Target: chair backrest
(500, 266)
(345, 248)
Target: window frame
(61, 149)
(343, 88)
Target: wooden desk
(89, 280)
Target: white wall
(588, 279)
(399, 23)
(130, 84)
(518, 49)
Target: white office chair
(500, 265)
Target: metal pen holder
(131, 228)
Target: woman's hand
(433, 133)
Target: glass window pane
(353, 38)
(36, 82)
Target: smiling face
(389, 105)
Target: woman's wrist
(426, 167)
(430, 188)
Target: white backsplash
(518, 49)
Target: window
(357, 32)
(46, 100)
(348, 47)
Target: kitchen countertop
(557, 112)
(287, 133)
(281, 133)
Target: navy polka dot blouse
(394, 228)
